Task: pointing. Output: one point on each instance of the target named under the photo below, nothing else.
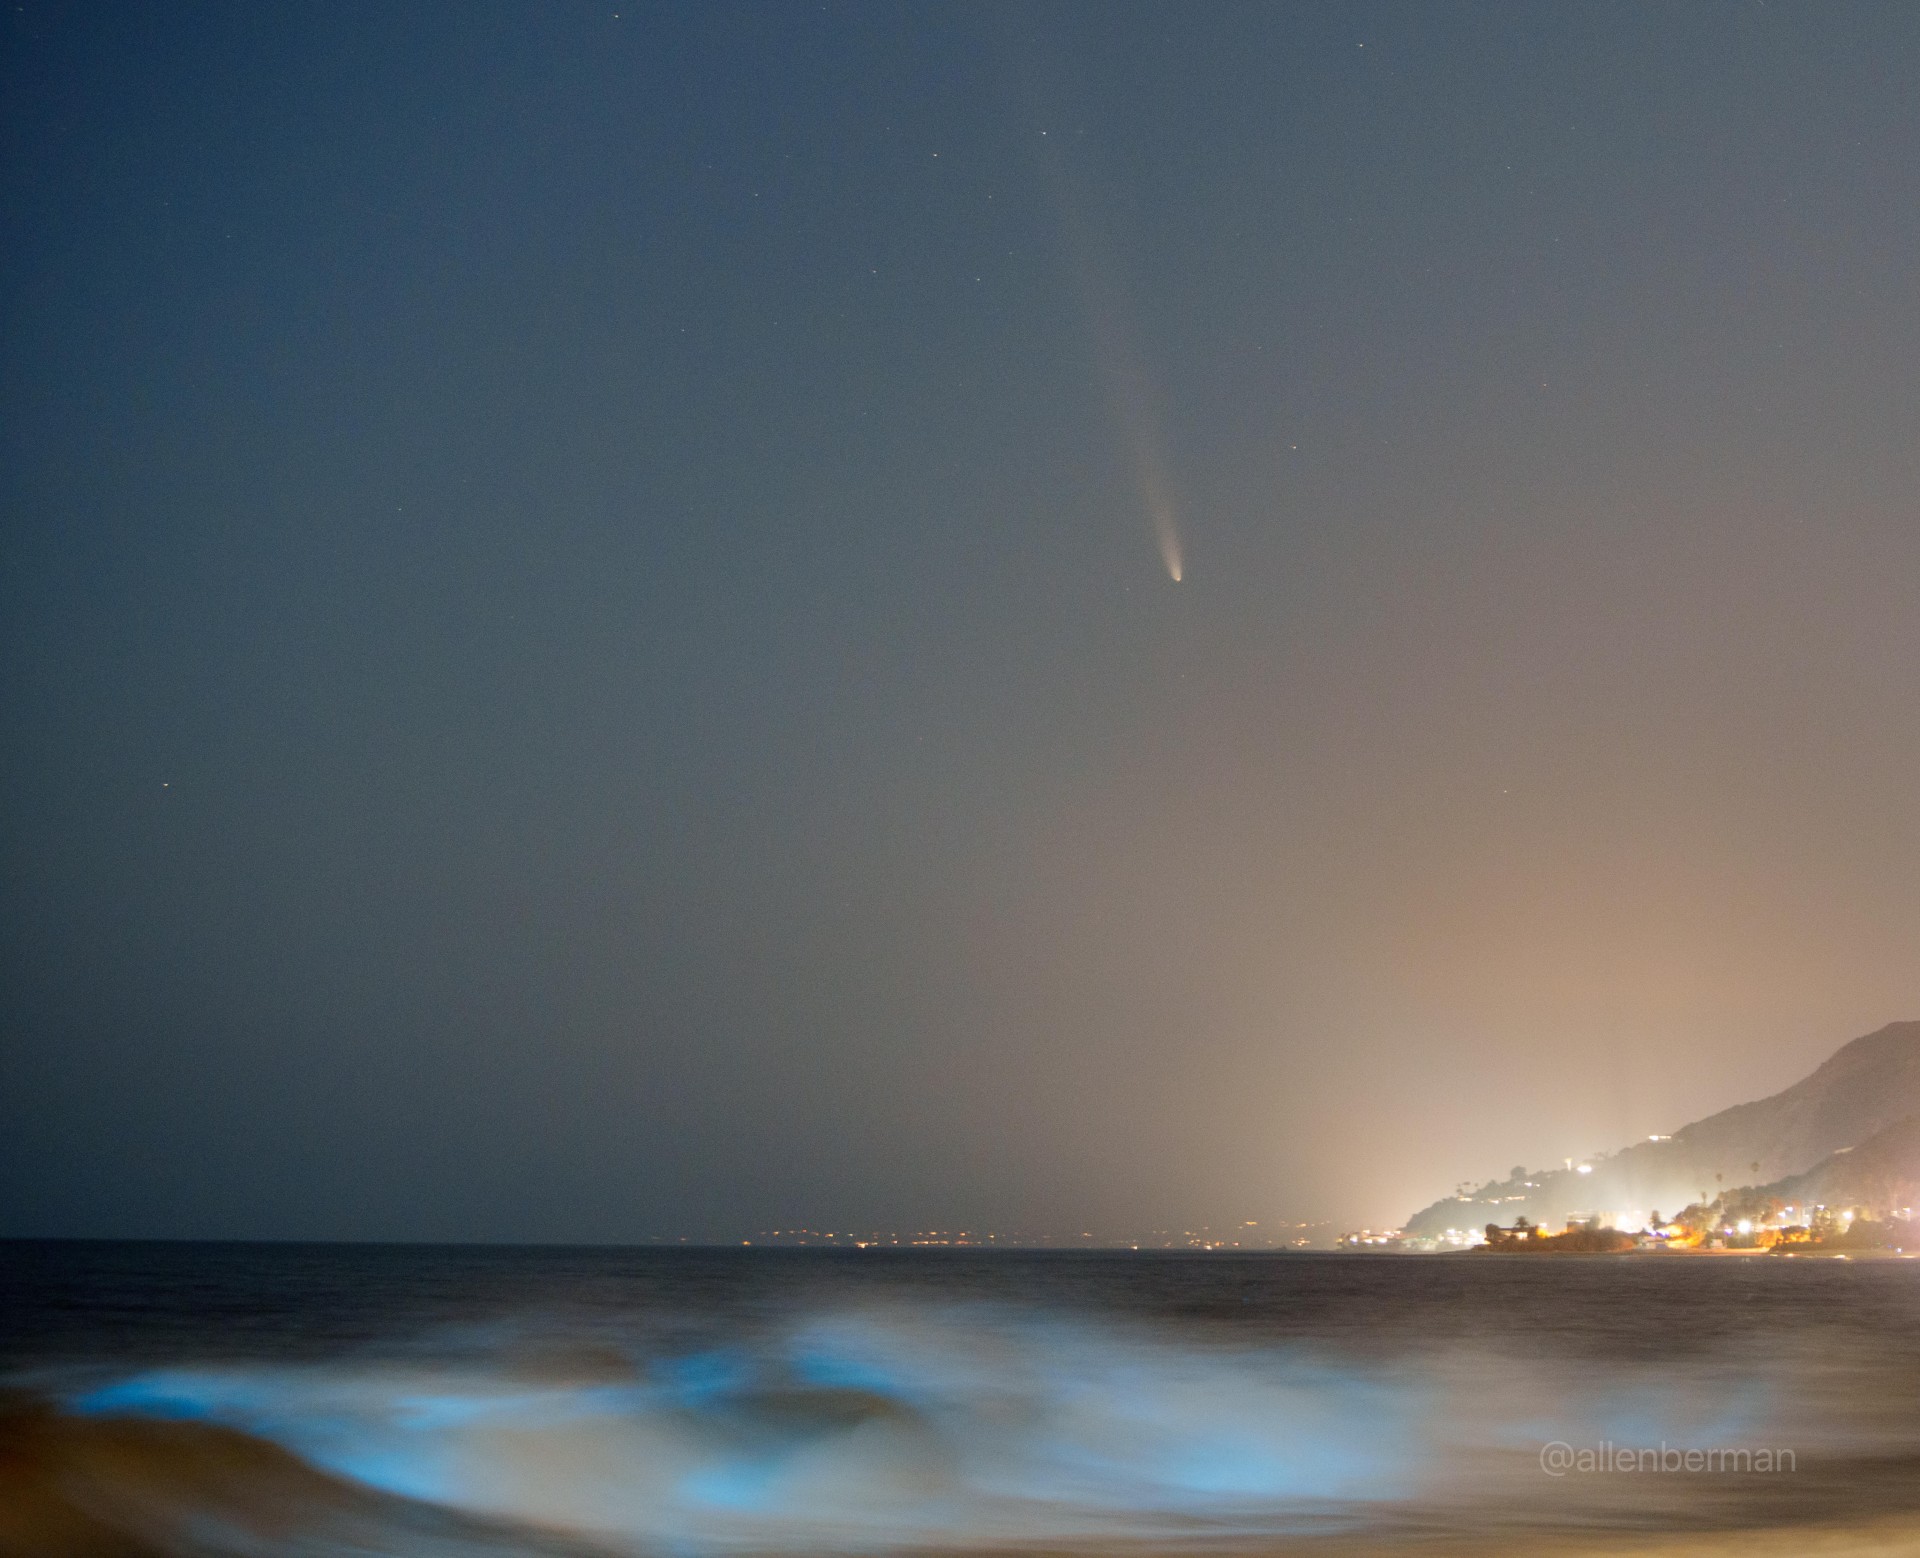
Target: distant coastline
(1830, 1165)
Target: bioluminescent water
(312, 1400)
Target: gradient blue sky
(585, 655)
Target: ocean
(328, 1399)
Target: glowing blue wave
(916, 1425)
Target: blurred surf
(931, 1429)
(864, 1415)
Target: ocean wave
(896, 1427)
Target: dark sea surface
(326, 1399)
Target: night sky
(590, 651)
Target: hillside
(1882, 1174)
(1863, 1088)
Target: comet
(1123, 375)
(1166, 529)
(1130, 395)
